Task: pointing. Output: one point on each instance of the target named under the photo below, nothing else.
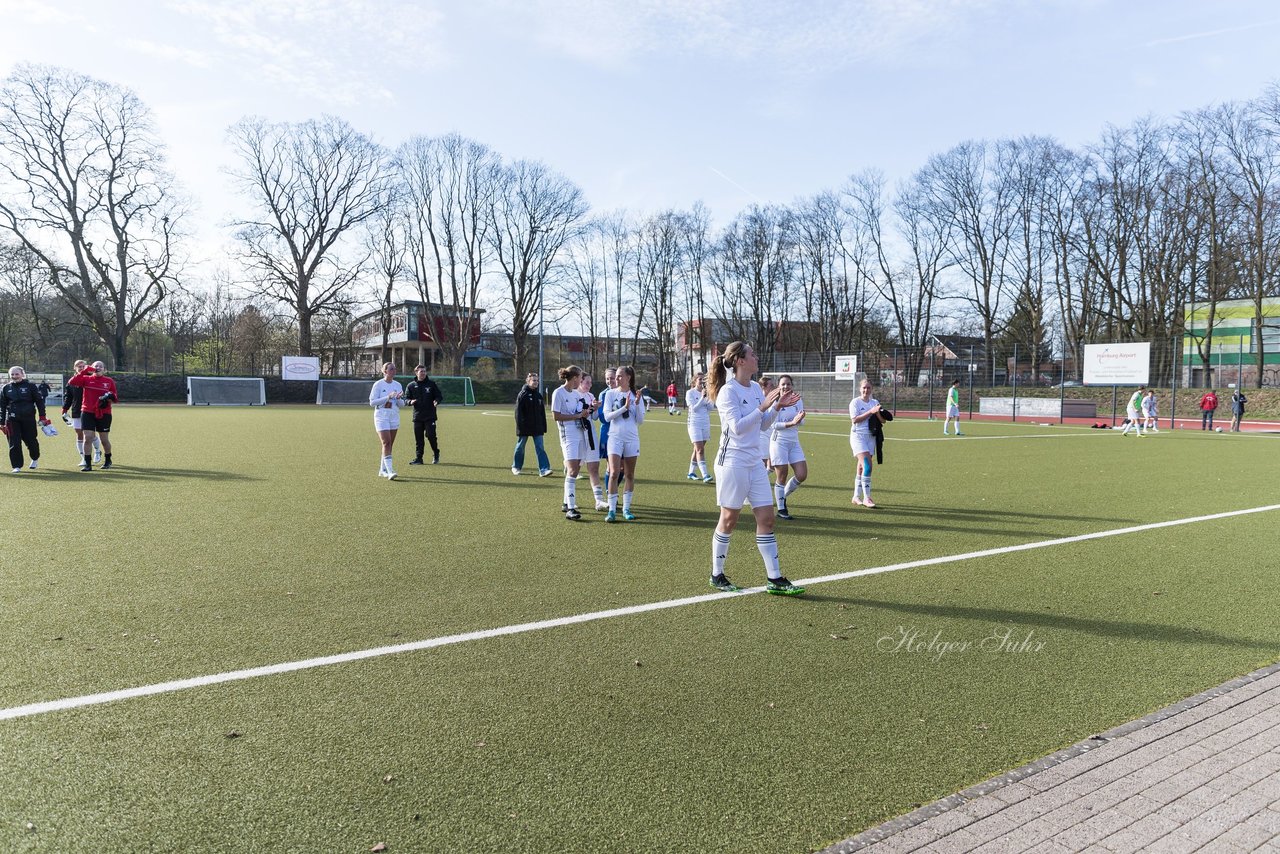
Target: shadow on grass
(120, 472)
(1048, 620)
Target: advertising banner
(1117, 364)
(300, 368)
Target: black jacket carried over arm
(531, 413)
(20, 400)
(423, 396)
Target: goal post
(226, 391)
(457, 391)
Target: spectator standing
(531, 423)
(1208, 405)
(1238, 400)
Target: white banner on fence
(300, 368)
(1117, 364)
(846, 367)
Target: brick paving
(1200, 775)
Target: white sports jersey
(380, 395)
(699, 406)
(785, 414)
(741, 423)
(569, 403)
(623, 413)
(858, 406)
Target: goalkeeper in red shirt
(95, 413)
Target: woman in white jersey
(784, 448)
(387, 397)
(592, 459)
(573, 418)
(861, 409)
(1149, 411)
(698, 406)
(624, 409)
(740, 478)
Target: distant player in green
(953, 408)
(1133, 412)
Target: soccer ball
(1217, 429)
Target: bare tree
(658, 262)
(313, 184)
(751, 273)
(84, 187)
(535, 212)
(449, 184)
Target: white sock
(626, 502)
(613, 502)
(768, 546)
(719, 552)
(702, 467)
(692, 467)
(866, 487)
(857, 485)
(386, 464)
(598, 492)
(792, 486)
(80, 447)
(570, 493)
(780, 496)
(97, 443)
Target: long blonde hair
(720, 368)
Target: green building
(1230, 347)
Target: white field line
(34, 709)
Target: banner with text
(300, 368)
(1117, 364)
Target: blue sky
(649, 104)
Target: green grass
(228, 539)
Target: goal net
(343, 392)
(226, 391)
(823, 391)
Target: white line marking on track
(33, 709)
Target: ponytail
(720, 368)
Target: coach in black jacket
(424, 396)
(19, 403)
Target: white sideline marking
(33, 709)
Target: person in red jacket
(673, 398)
(99, 392)
(1208, 404)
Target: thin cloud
(1207, 34)
(194, 58)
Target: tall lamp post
(542, 289)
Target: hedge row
(172, 388)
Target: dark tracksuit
(19, 403)
(424, 396)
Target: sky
(655, 104)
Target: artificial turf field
(227, 539)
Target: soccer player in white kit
(698, 406)
(624, 409)
(1149, 411)
(573, 419)
(862, 408)
(387, 397)
(785, 450)
(740, 478)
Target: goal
(823, 391)
(456, 391)
(343, 392)
(226, 391)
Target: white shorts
(386, 419)
(785, 453)
(736, 486)
(862, 443)
(699, 432)
(624, 446)
(75, 423)
(953, 412)
(573, 445)
(1131, 414)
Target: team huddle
(86, 408)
